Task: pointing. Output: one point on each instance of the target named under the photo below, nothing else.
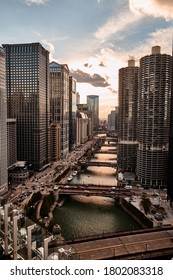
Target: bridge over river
(93, 190)
(85, 164)
(106, 152)
(141, 244)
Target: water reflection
(87, 216)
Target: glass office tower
(3, 126)
(93, 107)
(27, 67)
(154, 118)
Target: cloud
(116, 24)
(156, 8)
(96, 80)
(88, 65)
(161, 37)
(50, 47)
(37, 2)
(101, 64)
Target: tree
(145, 203)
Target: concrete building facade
(154, 118)
(72, 112)
(55, 141)
(127, 131)
(59, 101)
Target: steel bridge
(85, 164)
(93, 190)
(114, 152)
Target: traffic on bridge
(94, 190)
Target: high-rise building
(11, 142)
(81, 128)
(55, 141)
(3, 126)
(116, 118)
(83, 108)
(111, 121)
(93, 107)
(154, 118)
(59, 101)
(27, 67)
(170, 157)
(77, 98)
(127, 132)
(72, 112)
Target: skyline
(94, 37)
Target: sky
(95, 38)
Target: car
(158, 216)
(127, 187)
(144, 194)
(155, 194)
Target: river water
(83, 216)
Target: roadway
(141, 245)
(94, 190)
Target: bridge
(93, 190)
(109, 145)
(106, 152)
(138, 244)
(85, 164)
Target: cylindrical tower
(128, 96)
(153, 118)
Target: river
(83, 216)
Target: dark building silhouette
(27, 67)
(3, 126)
(170, 158)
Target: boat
(70, 178)
(74, 173)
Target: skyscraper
(3, 126)
(27, 67)
(72, 112)
(11, 142)
(154, 118)
(59, 101)
(170, 158)
(111, 121)
(127, 132)
(93, 107)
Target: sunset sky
(94, 37)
